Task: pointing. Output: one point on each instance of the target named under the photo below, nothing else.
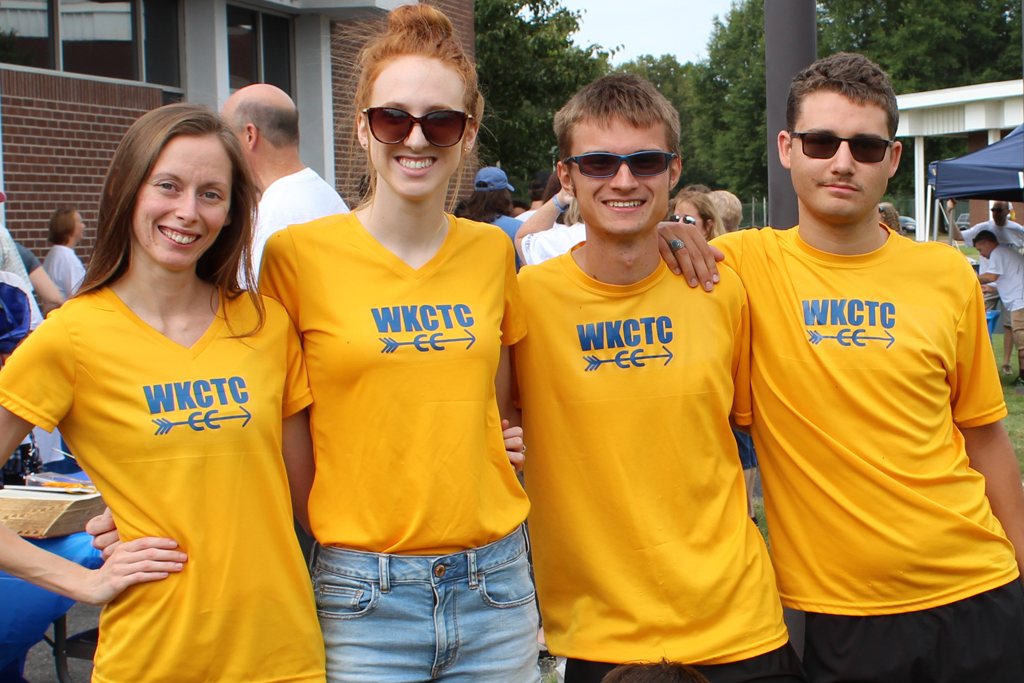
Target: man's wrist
(559, 206)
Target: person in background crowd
(553, 229)
(702, 209)
(62, 263)
(519, 206)
(641, 544)
(1006, 274)
(697, 188)
(730, 209)
(659, 672)
(228, 599)
(1005, 230)
(46, 292)
(1009, 233)
(10, 258)
(902, 551)
(266, 123)
(491, 202)
(889, 217)
(538, 193)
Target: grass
(1014, 421)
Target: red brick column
(59, 134)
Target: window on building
(259, 48)
(130, 39)
(160, 43)
(98, 38)
(25, 35)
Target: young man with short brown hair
(641, 542)
(892, 492)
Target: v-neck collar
(398, 265)
(193, 352)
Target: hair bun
(422, 22)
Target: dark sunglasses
(824, 146)
(604, 165)
(441, 128)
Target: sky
(649, 27)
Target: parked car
(908, 224)
(963, 221)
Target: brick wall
(59, 134)
(347, 39)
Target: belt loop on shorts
(385, 573)
(473, 576)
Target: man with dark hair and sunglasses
(641, 542)
(892, 492)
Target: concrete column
(920, 186)
(206, 52)
(791, 45)
(314, 93)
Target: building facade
(75, 74)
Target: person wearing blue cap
(491, 202)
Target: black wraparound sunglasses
(605, 165)
(441, 128)
(824, 146)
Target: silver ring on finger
(676, 244)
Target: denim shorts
(468, 616)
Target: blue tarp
(993, 172)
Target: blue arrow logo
(198, 421)
(848, 337)
(427, 342)
(627, 359)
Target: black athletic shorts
(976, 640)
(777, 666)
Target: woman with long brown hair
(406, 314)
(177, 390)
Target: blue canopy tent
(995, 172)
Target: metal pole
(790, 45)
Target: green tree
(925, 46)
(727, 110)
(529, 67)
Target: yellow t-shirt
(641, 542)
(863, 368)
(409, 453)
(184, 444)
